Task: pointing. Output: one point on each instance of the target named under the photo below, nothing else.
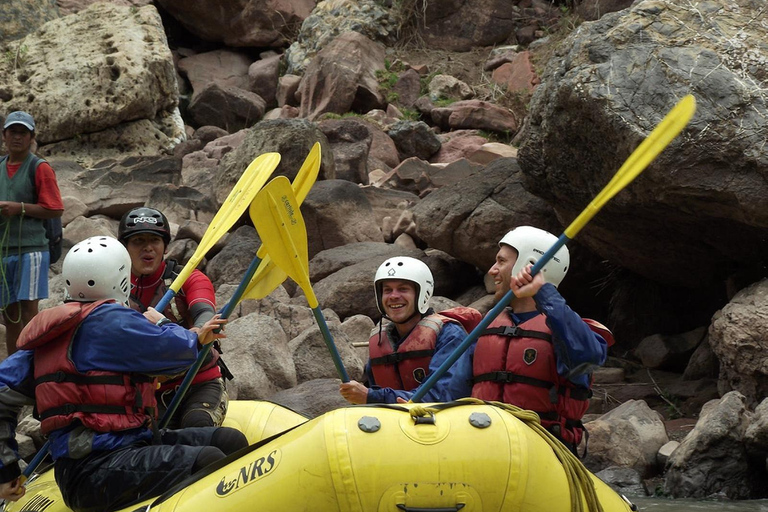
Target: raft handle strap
(458, 507)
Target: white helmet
(407, 269)
(531, 243)
(97, 268)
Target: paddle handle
(330, 344)
(422, 390)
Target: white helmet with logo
(97, 268)
(531, 243)
(407, 269)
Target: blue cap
(21, 118)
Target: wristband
(162, 322)
(22, 209)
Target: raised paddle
(246, 188)
(269, 276)
(284, 235)
(242, 194)
(669, 127)
(261, 278)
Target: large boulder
(460, 25)
(257, 352)
(268, 23)
(698, 211)
(333, 17)
(628, 436)
(92, 71)
(468, 219)
(712, 459)
(342, 77)
(737, 337)
(292, 138)
(337, 213)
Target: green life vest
(27, 234)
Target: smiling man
(146, 234)
(538, 354)
(413, 345)
(29, 194)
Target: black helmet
(144, 220)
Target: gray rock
(712, 459)
(586, 119)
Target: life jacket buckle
(511, 331)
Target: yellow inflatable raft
(464, 456)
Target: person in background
(88, 366)
(29, 194)
(414, 344)
(145, 232)
(538, 354)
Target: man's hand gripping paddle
(669, 127)
(284, 235)
(256, 284)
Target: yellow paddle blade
(669, 128)
(241, 195)
(266, 279)
(301, 186)
(281, 228)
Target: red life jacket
(177, 311)
(517, 365)
(102, 401)
(407, 366)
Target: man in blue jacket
(538, 354)
(89, 365)
(415, 342)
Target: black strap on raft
(397, 357)
(514, 331)
(404, 508)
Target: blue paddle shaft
(39, 456)
(169, 295)
(330, 344)
(255, 262)
(484, 323)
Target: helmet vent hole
(399, 263)
(91, 282)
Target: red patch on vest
(419, 374)
(529, 356)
